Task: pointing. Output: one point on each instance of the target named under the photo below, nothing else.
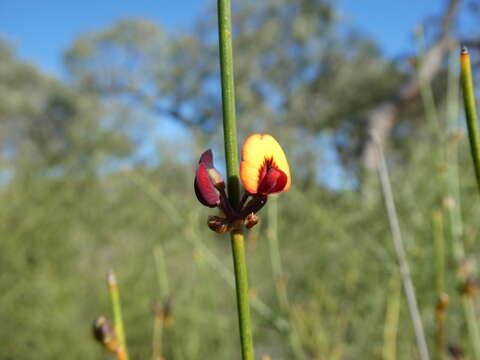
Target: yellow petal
(256, 149)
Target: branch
(382, 119)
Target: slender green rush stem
(157, 338)
(442, 297)
(390, 329)
(454, 209)
(439, 242)
(231, 157)
(279, 278)
(162, 277)
(473, 330)
(241, 282)
(471, 116)
(228, 99)
(161, 269)
(401, 254)
(470, 110)
(117, 314)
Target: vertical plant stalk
(161, 270)
(473, 330)
(233, 183)
(442, 297)
(470, 110)
(454, 206)
(162, 277)
(157, 338)
(122, 353)
(274, 250)
(279, 277)
(390, 330)
(241, 282)
(473, 134)
(228, 100)
(439, 243)
(401, 255)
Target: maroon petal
(206, 193)
(207, 158)
(272, 182)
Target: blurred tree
(47, 125)
(297, 71)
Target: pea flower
(264, 168)
(208, 181)
(263, 171)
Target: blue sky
(42, 30)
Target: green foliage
(70, 212)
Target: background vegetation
(94, 177)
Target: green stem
(473, 331)
(471, 116)
(117, 314)
(279, 278)
(228, 100)
(454, 209)
(241, 282)
(157, 338)
(161, 269)
(439, 244)
(442, 297)
(233, 184)
(470, 110)
(390, 329)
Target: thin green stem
(473, 134)
(241, 282)
(401, 254)
(157, 338)
(117, 315)
(470, 110)
(439, 242)
(442, 297)
(274, 250)
(279, 278)
(161, 270)
(473, 331)
(455, 206)
(162, 277)
(390, 329)
(228, 100)
(233, 184)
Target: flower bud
(208, 181)
(218, 224)
(105, 334)
(251, 220)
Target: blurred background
(105, 108)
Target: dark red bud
(273, 181)
(208, 181)
(207, 158)
(205, 190)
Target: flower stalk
(233, 181)
(473, 134)
(405, 274)
(470, 110)
(122, 353)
